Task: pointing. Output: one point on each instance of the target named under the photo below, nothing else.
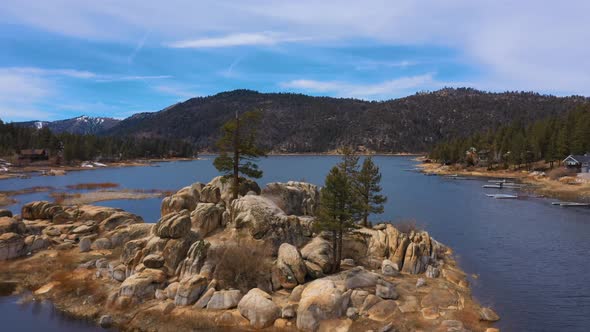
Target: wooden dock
(571, 204)
(502, 196)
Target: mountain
(80, 125)
(300, 123)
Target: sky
(64, 58)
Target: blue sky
(64, 58)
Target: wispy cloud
(381, 90)
(20, 91)
(376, 64)
(238, 39)
(116, 78)
(175, 90)
(138, 48)
(79, 74)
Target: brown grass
(243, 266)
(559, 172)
(102, 185)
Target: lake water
(531, 258)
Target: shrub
(560, 172)
(243, 266)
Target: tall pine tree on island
(334, 215)
(239, 151)
(367, 181)
(349, 167)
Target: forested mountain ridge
(82, 125)
(300, 123)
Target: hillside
(81, 125)
(299, 123)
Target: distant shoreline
(29, 170)
(540, 185)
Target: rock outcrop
(183, 264)
(296, 198)
(263, 219)
(184, 199)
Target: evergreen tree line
(73, 147)
(550, 139)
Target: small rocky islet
(252, 263)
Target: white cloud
(383, 90)
(238, 39)
(511, 44)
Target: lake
(530, 258)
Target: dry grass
(102, 185)
(243, 266)
(103, 195)
(559, 172)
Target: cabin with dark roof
(579, 162)
(33, 154)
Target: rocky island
(214, 263)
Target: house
(34, 154)
(483, 157)
(581, 162)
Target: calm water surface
(531, 257)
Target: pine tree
(368, 187)
(239, 140)
(334, 215)
(349, 167)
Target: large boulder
(257, 306)
(195, 259)
(291, 266)
(223, 185)
(43, 210)
(358, 277)
(11, 225)
(298, 198)
(190, 289)
(174, 251)
(224, 299)
(173, 225)
(206, 218)
(11, 245)
(184, 199)
(119, 218)
(143, 285)
(92, 212)
(320, 300)
(5, 213)
(263, 219)
(319, 252)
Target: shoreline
(540, 185)
(58, 170)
